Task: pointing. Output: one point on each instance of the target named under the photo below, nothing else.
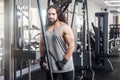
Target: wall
(1, 19)
(92, 9)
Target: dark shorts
(62, 76)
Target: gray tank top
(57, 48)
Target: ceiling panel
(112, 5)
(115, 3)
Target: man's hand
(60, 64)
(43, 63)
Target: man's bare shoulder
(65, 26)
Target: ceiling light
(112, 2)
(118, 10)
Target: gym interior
(95, 24)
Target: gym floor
(36, 75)
(109, 75)
(99, 74)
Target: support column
(8, 27)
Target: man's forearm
(69, 51)
(42, 50)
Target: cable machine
(84, 70)
(23, 54)
(101, 43)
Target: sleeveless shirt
(57, 48)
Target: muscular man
(60, 41)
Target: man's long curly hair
(60, 14)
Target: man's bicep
(69, 38)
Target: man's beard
(50, 23)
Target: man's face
(52, 16)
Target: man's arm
(42, 54)
(41, 46)
(69, 39)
